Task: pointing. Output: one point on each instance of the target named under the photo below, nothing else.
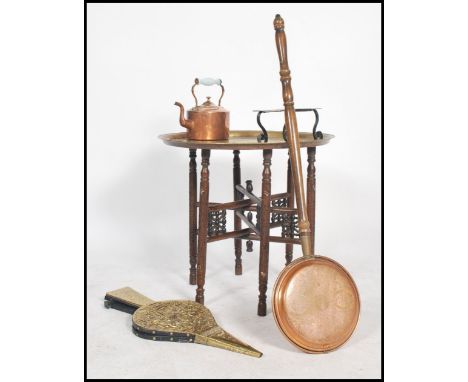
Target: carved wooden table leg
(193, 216)
(237, 220)
(264, 232)
(311, 193)
(290, 203)
(203, 225)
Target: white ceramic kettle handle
(209, 81)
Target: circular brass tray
(316, 304)
(243, 140)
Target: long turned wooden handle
(293, 137)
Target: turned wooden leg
(264, 232)
(237, 220)
(249, 243)
(193, 216)
(311, 193)
(203, 225)
(290, 203)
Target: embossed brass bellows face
(174, 321)
(206, 122)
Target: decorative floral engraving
(174, 316)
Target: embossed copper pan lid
(316, 304)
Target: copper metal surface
(243, 140)
(207, 122)
(315, 301)
(316, 304)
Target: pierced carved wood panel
(216, 222)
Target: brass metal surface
(316, 304)
(197, 81)
(129, 296)
(174, 316)
(178, 317)
(243, 140)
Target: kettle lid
(208, 105)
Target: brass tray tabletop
(243, 140)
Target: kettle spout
(187, 123)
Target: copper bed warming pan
(315, 300)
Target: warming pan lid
(316, 304)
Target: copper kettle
(207, 122)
